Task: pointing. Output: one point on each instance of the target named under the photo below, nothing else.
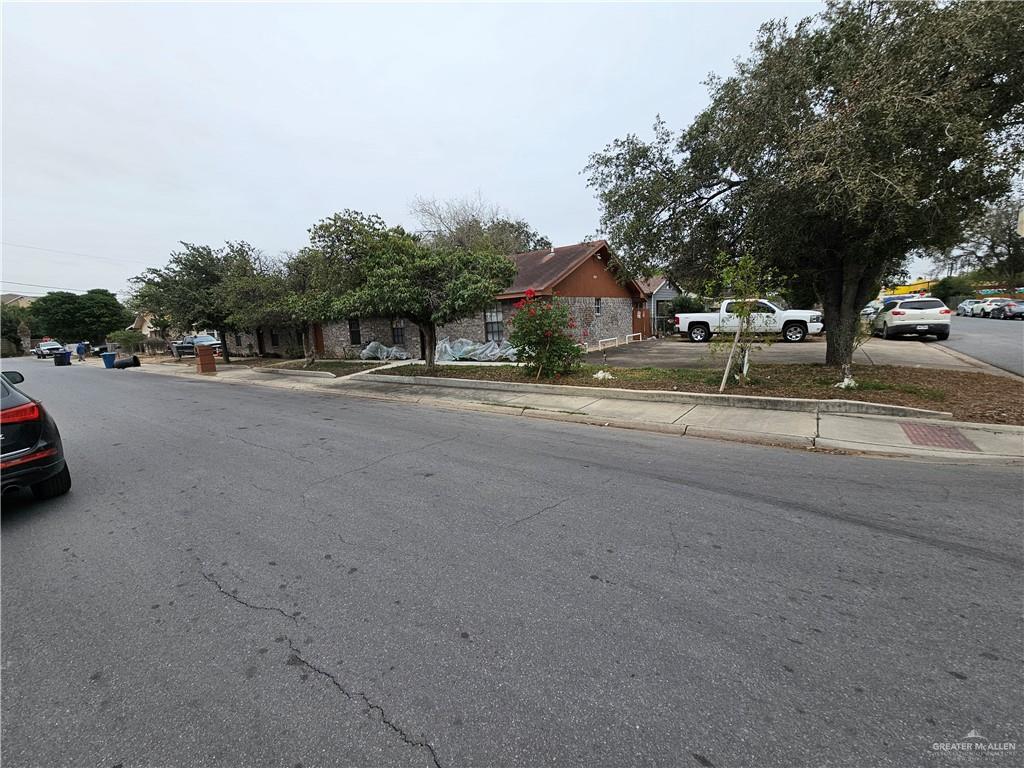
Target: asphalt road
(243, 576)
(997, 342)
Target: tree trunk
(224, 344)
(430, 337)
(308, 345)
(844, 293)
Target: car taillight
(45, 453)
(26, 412)
(897, 312)
(945, 311)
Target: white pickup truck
(793, 324)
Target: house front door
(318, 338)
(641, 322)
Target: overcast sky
(127, 128)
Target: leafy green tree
(318, 276)
(76, 317)
(950, 288)
(190, 291)
(147, 298)
(473, 224)
(100, 313)
(993, 245)
(839, 146)
(431, 286)
(254, 288)
(56, 315)
(13, 320)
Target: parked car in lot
(1014, 312)
(793, 324)
(47, 349)
(919, 317)
(964, 307)
(871, 310)
(1007, 311)
(984, 308)
(31, 455)
(187, 345)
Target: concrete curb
(297, 372)
(805, 442)
(801, 405)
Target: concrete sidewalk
(676, 352)
(904, 436)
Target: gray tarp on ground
(465, 349)
(377, 351)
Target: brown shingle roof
(651, 284)
(542, 270)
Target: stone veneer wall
(287, 337)
(616, 317)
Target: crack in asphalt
(209, 577)
(790, 505)
(270, 448)
(297, 660)
(537, 513)
(675, 539)
(305, 494)
(385, 458)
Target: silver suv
(918, 317)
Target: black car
(31, 454)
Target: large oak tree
(837, 147)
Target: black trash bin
(127, 362)
(62, 358)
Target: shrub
(129, 340)
(542, 335)
(948, 289)
(683, 304)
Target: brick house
(602, 300)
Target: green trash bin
(108, 359)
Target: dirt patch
(968, 395)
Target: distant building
(16, 300)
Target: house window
(275, 340)
(398, 332)
(238, 339)
(597, 307)
(494, 323)
(354, 334)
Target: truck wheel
(57, 485)
(699, 333)
(794, 332)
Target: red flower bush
(540, 334)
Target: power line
(74, 253)
(37, 285)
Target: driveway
(242, 576)
(679, 352)
(998, 342)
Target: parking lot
(999, 342)
(679, 352)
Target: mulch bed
(338, 367)
(969, 396)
